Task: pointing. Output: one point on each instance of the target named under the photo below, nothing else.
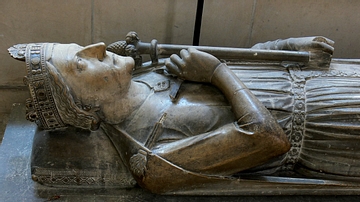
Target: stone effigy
(255, 116)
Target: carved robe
(318, 109)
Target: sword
(134, 47)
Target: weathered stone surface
(16, 183)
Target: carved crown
(41, 107)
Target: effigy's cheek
(120, 76)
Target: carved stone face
(93, 74)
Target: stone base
(77, 158)
(16, 183)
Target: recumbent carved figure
(284, 121)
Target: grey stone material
(16, 183)
(77, 157)
(211, 134)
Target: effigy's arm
(299, 44)
(199, 66)
(254, 137)
(320, 48)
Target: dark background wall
(236, 23)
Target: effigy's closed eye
(80, 65)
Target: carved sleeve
(249, 111)
(275, 45)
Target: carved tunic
(318, 110)
(188, 116)
(331, 133)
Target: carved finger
(178, 61)
(324, 40)
(172, 68)
(323, 46)
(184, 54)
(192, 50)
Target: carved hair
(70, 113)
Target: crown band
(41, 107)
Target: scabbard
(165, 50)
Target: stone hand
(319, 47)
(314, 43)
(193, 65)
(317, 43)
